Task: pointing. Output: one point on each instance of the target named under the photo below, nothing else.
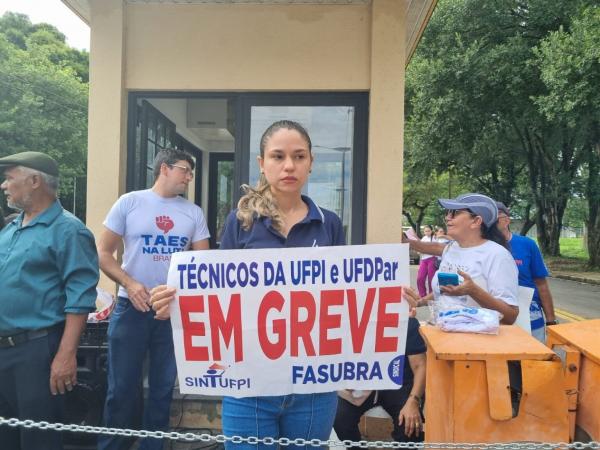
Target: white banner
(293, 320)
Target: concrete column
(386, 122)
(107, 120)
(107, 123)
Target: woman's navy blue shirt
(319, 228)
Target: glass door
(337, 127)
(221, 186)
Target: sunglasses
(453, 212)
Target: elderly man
(48, 277)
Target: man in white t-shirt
(152, 224)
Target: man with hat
(48, 277)
(532, 273)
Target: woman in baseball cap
(486, 271)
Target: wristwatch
(552, 322)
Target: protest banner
(294, 320)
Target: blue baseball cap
(478, 204)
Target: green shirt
(48, 268)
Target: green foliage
(576, 214)
(479, 98)
(569, 63)
(573, 248)
(43, 98)
(20, 32)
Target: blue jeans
(131, 334)
(307, 416)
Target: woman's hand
(160, 299)
(465, 288)
(412, 298)
(410, 416)
(483, 298)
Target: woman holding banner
(275, 214)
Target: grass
(574, 257)
(573, 248)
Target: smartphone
(447, 279)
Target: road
(573, 301)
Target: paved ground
(574, 300)
(584, 277)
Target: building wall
(249, 48)
(386, 124)
(107, 111)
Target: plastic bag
(104, 305)
(467, 319)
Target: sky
(55, 13)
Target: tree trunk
(549, 224)
(550, 178)
(528, 221)
(416, 223)
(410, 219)
(593, 197)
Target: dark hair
(258, 201)
(170, 156)
(492, 233)
(430, 229)
(283, 124)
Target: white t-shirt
(153, 228)
(427, 239)
(490, 265)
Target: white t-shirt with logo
(153, 228)
(490, 265)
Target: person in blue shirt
(48, 277)
(532, 273)
(275, 214)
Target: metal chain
(204, 437)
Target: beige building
(210, 75)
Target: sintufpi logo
(215, 378)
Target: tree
(43, 100)
(19, 31)
(569, 63)
(470, 91)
